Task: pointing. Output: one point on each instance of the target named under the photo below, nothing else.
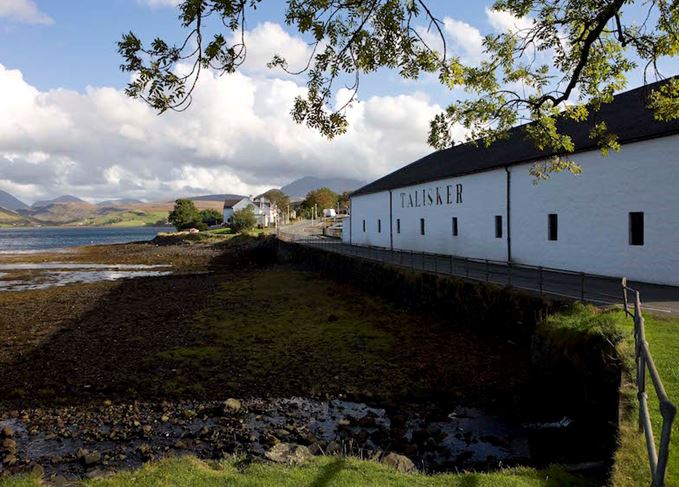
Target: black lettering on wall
(439, 201)
(459, 193)
(403, 200)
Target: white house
(265, 211)
(620, 217)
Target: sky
(66, 127)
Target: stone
(89, 458)
(333, 448)
(59, 481)
(9, 460)
(315, 449)
(8, 432)
(9, 444)
(232, 405)
(38, 471)
(401, 463)
(289, 453)
(165, 418)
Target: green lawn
(321, 472)
(662, 334)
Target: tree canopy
(185, 215)
(563, 58)
(322, 198)
(278, 198)
(244, 219)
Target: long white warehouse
(620, 217)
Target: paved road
(590, 288)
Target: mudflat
(135, 369)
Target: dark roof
(231, 202)
(627, 116)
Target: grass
(284, 332)
(662, 333)
(321, 472)
(127, 218)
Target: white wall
(483, 197)
(371, 208)
(593, 213)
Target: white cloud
(503, 21)
(238, 136)
(462, 40)
(23, 11)
(160, 3)
(466, 39)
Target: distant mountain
(9, 202)
(10, 218)
(215, 197)
(300, 187)
(61, 199)
(120, 201)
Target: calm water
(50, 238)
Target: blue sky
(67, 127)
(78, 49)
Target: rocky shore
(104, 376)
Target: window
(636, 228)
(379, 226)
(363, 226)
(498, 226)
(421, 226)
(454, 226)
(398, 225)
(553, 226)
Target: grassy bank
(662, 333)
(321, 472)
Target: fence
(542, 280)
(644, 362)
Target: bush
(244, 219)
(185, 215)
(211, 217)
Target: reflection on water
(29, 276)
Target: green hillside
(10, 218)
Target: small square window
(498, 226)
(379, 226)
(398, 225)
(553, 226)
(636, 228)
(455, 229)
(421, 226)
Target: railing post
(582, 287)
(624, 295)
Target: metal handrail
(657, 459)
(502, 272)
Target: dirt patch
(103, 366)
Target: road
(590, 288)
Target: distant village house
(265, 211)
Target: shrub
(244, 219)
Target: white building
(619, 218)
(265, 211)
